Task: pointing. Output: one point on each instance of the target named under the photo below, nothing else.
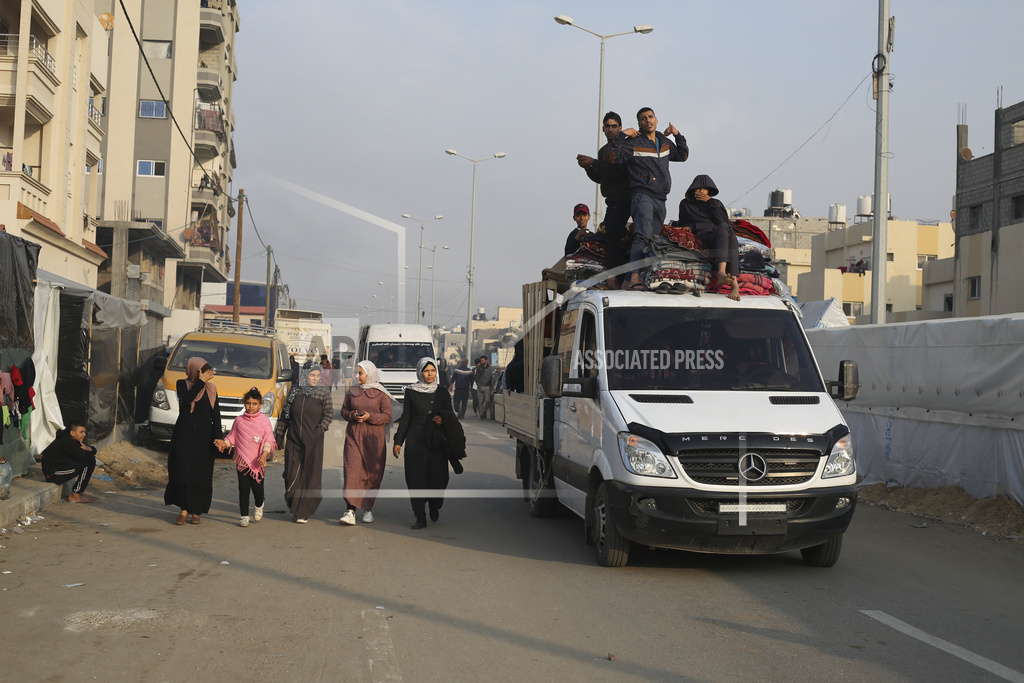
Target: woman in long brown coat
(367, 408)
(305, 419)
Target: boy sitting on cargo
(708, 220)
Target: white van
(395, 349)
(698, 424)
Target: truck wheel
(824, 555)
(612, 549)
(543, 500)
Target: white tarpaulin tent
(827, 313)
(941, 402)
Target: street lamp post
(472, 237)
(419, 276)
(433, 257)
(639, 28)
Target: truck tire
(542, 499)
(824, 555)
(612, 549)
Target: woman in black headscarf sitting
(425, 467)
(708, 220)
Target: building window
(974, 287)
(157, 49)
(889, 257)
(151, 168)
(152, 109)
(1017, 207)
(923, 259)
(888, 308)
(947, 302)
(853, 309)
(976, 215)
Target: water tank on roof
(787, 197)
(888, 207)
(775, 199)
(864, 206)
(837, 213)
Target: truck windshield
(711, 349)
(398, 355)
(227, 358)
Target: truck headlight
(643, 457)
(267, 404)
(160, 397)
(840, 460)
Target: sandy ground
(133, 467)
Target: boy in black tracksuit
(69, 459)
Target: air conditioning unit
(134, 272)
(147, 279)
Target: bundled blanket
(750, 284)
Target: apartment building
(53, 70)
(171, 208)
(841, 268)
(989, 204)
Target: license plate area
(752, 526)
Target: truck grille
(794, 506)
(230, 406)
(720, 468)
(396, 389)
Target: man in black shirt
(69, 459)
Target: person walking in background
(462, 380)
(646, 154)
(326, 375)
(192, 452)
(514, 372)
(367, 409)
(484, 376)
(614, 181)
(306, 417)
(251, 440)
(67, 459)
(426, 468)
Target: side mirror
(848, 386)
(442, 365)
(551, 376)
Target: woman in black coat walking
(426, 468)
(192, 453)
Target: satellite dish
(106, 20)
(966, 153)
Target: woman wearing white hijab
(425, 468)
(367, 409)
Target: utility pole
(238, 257)
(880, 202)
(266, 309)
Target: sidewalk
(28, 494)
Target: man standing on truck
(646, 154)
(614, 181)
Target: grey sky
(358, 101)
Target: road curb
(26, 496)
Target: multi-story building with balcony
(53, 70)
(175, 205)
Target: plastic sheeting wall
(941, 402)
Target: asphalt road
(487, 593)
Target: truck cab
(694, 423)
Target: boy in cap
(580, 214)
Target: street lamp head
(405, 215)
(564, 20)
(499, 155)
(450, 151)
(446, 247)
(437, 218)
(380, 282)
(643, 28)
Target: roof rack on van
(240, 328)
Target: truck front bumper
(686, 519)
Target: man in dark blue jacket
(462, 380)
(646, 153)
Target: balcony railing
(8, 44)
(94, 114)
(37, 50)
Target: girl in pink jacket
(252, 439)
